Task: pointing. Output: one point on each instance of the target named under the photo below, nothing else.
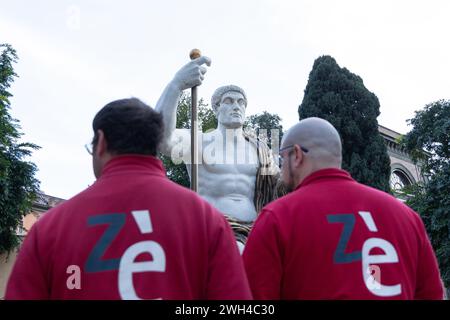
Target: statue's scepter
(194, 54)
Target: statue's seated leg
(241, 230)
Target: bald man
(333, 238)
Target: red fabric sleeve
(226, 278)
(429, 285)
(27, 280)
(262, 258)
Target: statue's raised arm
(237, 174)
(190, 75)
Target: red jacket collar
(133, 163)
(332, 173)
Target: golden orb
(194, 54)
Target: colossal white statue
(236, 174)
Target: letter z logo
(94, 262)
(349, 224)
(126, 264)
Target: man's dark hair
(130, 127)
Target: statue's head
(229, 104)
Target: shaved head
(320, 138)
(323, 145)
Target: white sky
(76, 56)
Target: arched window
(399, 180)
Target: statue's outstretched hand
(192, 74)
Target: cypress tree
(340, 97)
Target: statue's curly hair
(217, 95)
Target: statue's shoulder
(209, 135)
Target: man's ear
(298, 156)
(102, 145)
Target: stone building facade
(41, 205)
(403, 170)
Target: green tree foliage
(18, 186)
(267, 127)
(177, 172)
(430, 132)
(339, 96)
(429, 145)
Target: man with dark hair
(130, 126)
(333, 238)
(133, 234)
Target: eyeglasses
(89, 148)
(280, 156)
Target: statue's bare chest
(229, 156)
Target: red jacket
(132, 234)
(333, 238)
